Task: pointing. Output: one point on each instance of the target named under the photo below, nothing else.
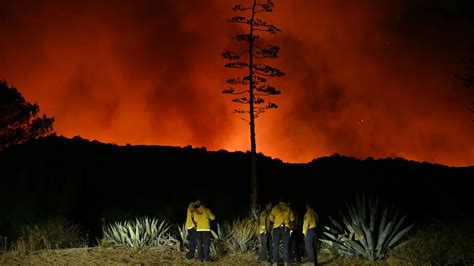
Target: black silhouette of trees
(251, 88)
(20, 120)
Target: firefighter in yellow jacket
(309, 230)
(295, 235)
(202, 216)
(281, 216)
(191, 227)
(265, 231)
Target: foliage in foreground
(57, 233)
(241, 235)
(236, 237)
(141, 232)
(368, 229)
(436, 245)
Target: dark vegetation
(20, 120)
(89, 182)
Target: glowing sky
(363, 78)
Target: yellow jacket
(292, 224)
(310, 220)
(202, 216)
(281, 214)
(189, 216)
(264, 223)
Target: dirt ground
(147, 256)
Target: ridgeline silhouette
(87, 181)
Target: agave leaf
(382, 225)
(397, 227)
(332, 231)
(336, 245)
(383, 237)
(399, 235)
(370, 243)
(338, 225)
(361, 250)
(373, 213)
(350, 210)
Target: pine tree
(251, 88)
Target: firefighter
(309, 231)
(264, 230)
(295, 235)
(202, 216)
(191, 227)
(281, 216)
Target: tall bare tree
(251, 88)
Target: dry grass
(147, 256)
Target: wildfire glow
(150, 72)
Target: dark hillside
(87, 181)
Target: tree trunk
(253, 145)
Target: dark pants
(265, 239)
(295, 239)
(192, 240)
(281, 234)
(203, 242)
(310, 242)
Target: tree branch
(239, 7)
(238, 65)
(233, 56)
(238, 81)
(232, 91)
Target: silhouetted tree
(257, 73)
(20, 120)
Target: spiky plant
(183, 234)
(141, 232)
(241, 235)
(368, 229)
(216, 247)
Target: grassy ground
(147, 256)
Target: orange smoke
(363, 79)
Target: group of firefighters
(276, 224)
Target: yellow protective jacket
(281, 214)
(264, 223)
(189, 216)
(292, 224)
(310, 220)
(202, 216)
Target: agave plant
(139, 233)
(368, 229)
(217, 241)
(183, 234)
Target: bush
(53, 234)
(434, 244)
(241, 235)
(367, 230)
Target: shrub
(141, 232)
(434, 245)
(218, 246)
(183, 234)
(53, 234)
(241, 235)
(365, 230)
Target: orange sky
(363, 79)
